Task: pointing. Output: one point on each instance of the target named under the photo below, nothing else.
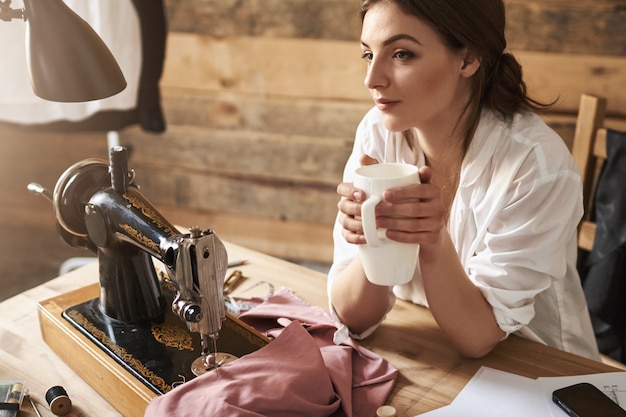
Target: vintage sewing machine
(99, 207)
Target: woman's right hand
(350, 207)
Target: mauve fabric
(300, 373)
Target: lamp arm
(7, 13)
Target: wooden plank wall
(31, 250)
(262, 98)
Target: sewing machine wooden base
(111, 362)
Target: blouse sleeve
(526, 245)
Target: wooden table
(431, 372)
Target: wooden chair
(589, 152)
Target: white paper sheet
(494, 393)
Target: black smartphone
(585, 400)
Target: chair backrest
(589, 152)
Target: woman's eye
(367, 56)
(403, 55)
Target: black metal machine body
(98, 207)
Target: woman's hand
(350, 207)
(414, 213)
(411, 214)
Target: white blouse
(513, 222)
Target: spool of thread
(14, 393)
(58, 400)
(386, 411)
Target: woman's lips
(385, 104)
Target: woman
(496, 213)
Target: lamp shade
(67, 60)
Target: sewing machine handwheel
(73, 190)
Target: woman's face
(414, 79)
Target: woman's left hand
(413, 213)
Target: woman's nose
(375, 76)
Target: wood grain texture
(570, 26)
(116, 385)
(292, 240)
(319, 19)
(285, 67)
(263, 175)
(260, 156)
(24, 353)
(296, 116)
(31, 250)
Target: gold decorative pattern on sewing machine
(149, 212)
(129, 359)
(245, 333)
(139, 237)
(172, 336)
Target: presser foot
(210, 362)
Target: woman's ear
(470, 64)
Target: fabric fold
(285, 378)
(300, 372)
(372, 377)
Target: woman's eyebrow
(395, 38)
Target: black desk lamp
(67, 60)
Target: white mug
(385, 261)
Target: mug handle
(368, 220)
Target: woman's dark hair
(477, 25)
